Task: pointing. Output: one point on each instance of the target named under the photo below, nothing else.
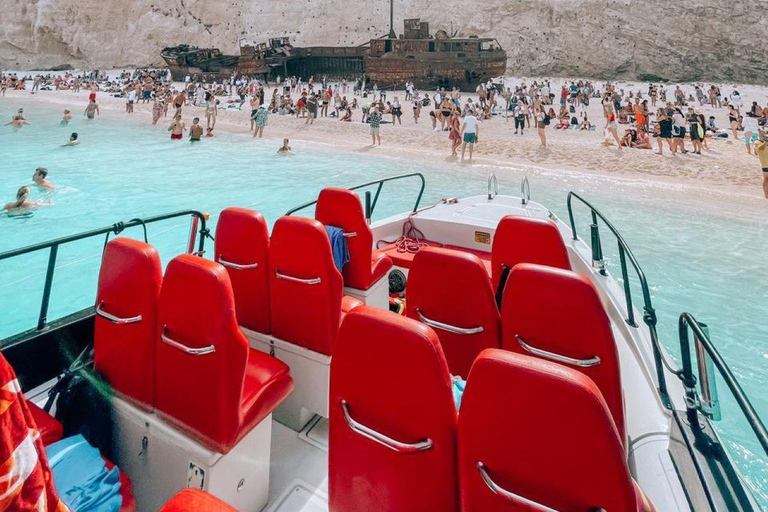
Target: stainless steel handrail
(510, 496)
(493, 186)
(193, 351)
(448, 327)
(382, 439)
(116, 319)
(314, 280)
(525, 190)
(558, 358)
(237, 266)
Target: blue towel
(458, 385)
(81, 477)
(338, 246)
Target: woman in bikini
(22, 201)
(454, 125)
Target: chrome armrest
(116, 319)
(350, 235)
(581, 363)
(510, 496)
(448, 327)
(193, 351)
(237, 266)
(314, 280)
(380, 438)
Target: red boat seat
(51, 429)
(208, 381)
(242, 246)
(531, 429)
(195, 500)
(342, 208)
(557, 315)
(305, 287)
(451, 292)
(126, 318)
(390, 385)
(526, 240)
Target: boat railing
(198, 225)
(705, 401)
(626, 259)
(372, 200)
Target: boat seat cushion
(129, 286)
(537, 402)
(391, 374)
(195, 500)
(453, 287)
(306, 288)
(199, 336)
(559, 312)
(342, 208)
(242, 246)
(526, 240)
(51, 430)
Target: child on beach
(177, 128)
(285, 148)
(67, 117)
(195, 131)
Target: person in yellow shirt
(762, 154)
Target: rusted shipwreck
(417, 56)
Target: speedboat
(476, 354)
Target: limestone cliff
(648, 39)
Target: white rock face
(648, 39)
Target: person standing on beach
(611, 126)
(177, 128)
(374, 119)
(260, 120)
(751, 130)
(157, 110)
(665, 131)
(454, 136)
(542, 119)
(92, 109)
(311, 108)
(469, 131)
(211, 111)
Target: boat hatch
(491, 211)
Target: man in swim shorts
(469, 131)
(195, 131)
(374, 119)
(40, 178)
(177, 128)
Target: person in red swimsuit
(177, 128)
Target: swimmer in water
(195, 131)
(22, 201)
(40, 178)
(73, 140)
(67, 117)
(92, 109)
(17, 122)
(285, 148)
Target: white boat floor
(299, 468)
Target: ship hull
(432, 70)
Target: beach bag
(546, 120)
(701, 132)
(572, 109)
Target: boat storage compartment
(161, 460)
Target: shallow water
(702, 252)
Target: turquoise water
(702, 253)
